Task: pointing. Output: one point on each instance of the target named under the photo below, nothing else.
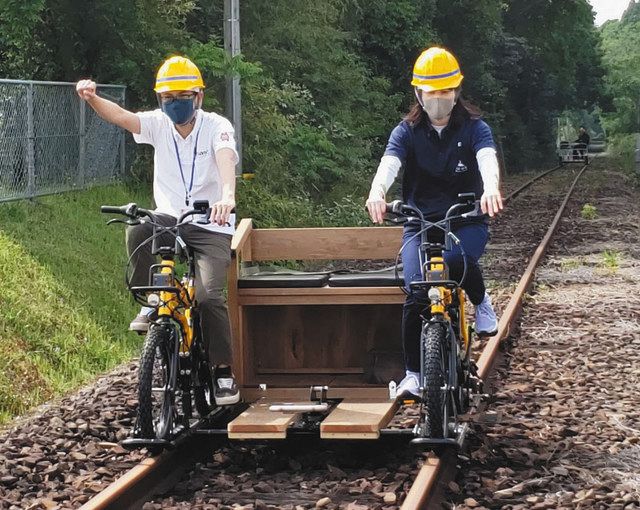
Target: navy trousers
(473, 237)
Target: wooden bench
(299, 332)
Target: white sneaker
(486, 320)
(410, 385)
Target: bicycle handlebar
(134, 212)
(399, 208)
(131, 210)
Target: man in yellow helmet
(445, 148)
(194, 159)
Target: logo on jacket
(224, 137)
(461, 167)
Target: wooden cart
(340, 332)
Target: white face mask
(438, 108)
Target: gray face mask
(438, 108)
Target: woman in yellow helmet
(444, 149)
(194, 159)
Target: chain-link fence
(51, 141)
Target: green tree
(621, 47)
(18, 47)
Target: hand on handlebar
(221, 210)
(491, 203)
(377, 207)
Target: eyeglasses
(170, 98)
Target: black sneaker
(225, 389)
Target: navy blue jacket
(439, 167)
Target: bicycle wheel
(156, 399)
(435, 359)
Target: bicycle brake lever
(115, 220)
(182, 244)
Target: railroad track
(156, 474)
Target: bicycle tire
(155, 417)
(435, 361)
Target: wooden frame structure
(297, 336)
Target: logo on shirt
(461, 168)
(203, 153)
(224, 137)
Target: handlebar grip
(394, 207)
(110, 209)
(130, 210)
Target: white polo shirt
(171, 187)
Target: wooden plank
(341, 243)
(235, 321)
(319, 340)
(240, 237)
(257, 422)
(358, 419)
(292, 394)
(303, 370)
(322, 296)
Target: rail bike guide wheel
(465, 388)
(201, 375)
(435, 359)
(156, 404)
(203, 383)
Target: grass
(64, 305)
(568, 264)
(611, 259)
(589, 212)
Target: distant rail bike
(573, 152)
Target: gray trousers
(212, 252)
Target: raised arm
(108, 110)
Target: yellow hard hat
(178, 73)
(436, 69)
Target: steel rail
(515, 193)
(420, 495)
(151, 476)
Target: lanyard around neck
(187, 191)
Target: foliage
(622, 151)
(621, 48)
(611, 259)
(331, 76)
(589, 212)
(553, 46)
(17, 44)
(65, 309)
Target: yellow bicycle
(174, 370)
(448, 376)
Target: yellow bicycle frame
(177, 305)
(436, 265)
